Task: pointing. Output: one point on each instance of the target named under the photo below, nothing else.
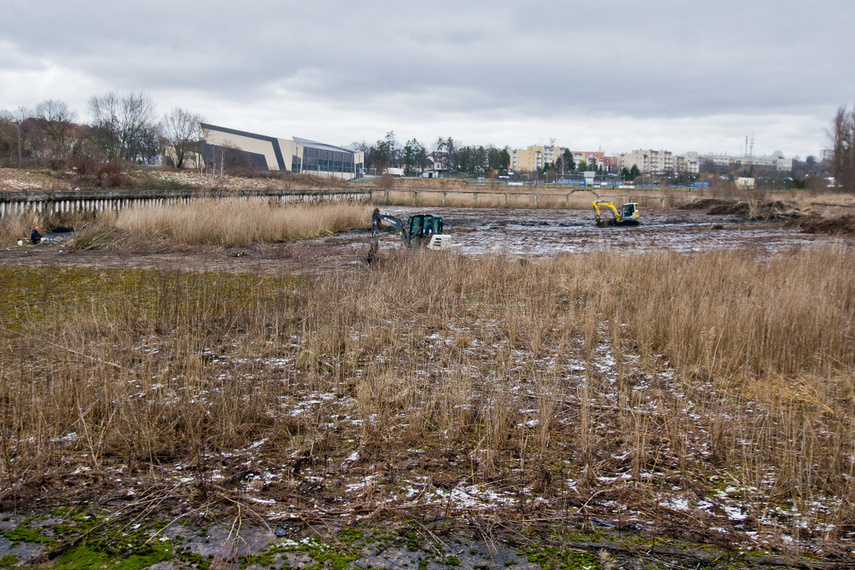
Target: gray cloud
(496, 72)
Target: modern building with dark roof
(240, 148)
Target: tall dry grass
(656, 367)
(234, 222)
(17, 226)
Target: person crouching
(35, 236)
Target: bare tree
(57, 122)
(125, 126)
(8, 137)
(843, 139)
(182, 134)
(20, 117)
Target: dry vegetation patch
(704, 397)
(232, 222)
(14, 180)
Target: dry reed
(236, 221)
(646, 367)
(17, 226)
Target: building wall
(534, 157)
(527, 160)
(246, 142)
(650, 161)
(299, 155)
(776, 160)
(291, 150)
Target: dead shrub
(112, 175)
(99, 174)
(386, 182)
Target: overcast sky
(615, 75)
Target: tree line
(444, 154)
(125, 128)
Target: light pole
(18, 127)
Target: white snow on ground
(732, 505)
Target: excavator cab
(426, 230)
(423, 227)
(629, 212)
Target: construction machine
(627, 215)
(420, 230)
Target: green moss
(84, 557)
(193, 559)
(263, 559)
(23, 533)
(350, 535)
(337, 561)
(553, 558)
(8, 561)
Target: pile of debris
(809, 222)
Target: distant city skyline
(618, 76)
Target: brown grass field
(708, 398)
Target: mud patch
(707, 204)
(843, 225)
(529, 234)
(761, 212)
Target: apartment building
(590, 157)
(688, 164)
(534, 157)
(650, 161)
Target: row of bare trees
(124, 127)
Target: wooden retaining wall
(99, 201)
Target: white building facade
(275, 154)
(650, 161)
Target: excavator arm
(380, 222)
(609, 205)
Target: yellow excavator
(627, 215)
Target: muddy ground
(530, 234)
